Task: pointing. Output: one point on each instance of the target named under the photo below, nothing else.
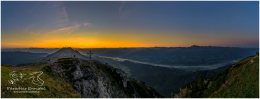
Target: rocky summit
(92, 78)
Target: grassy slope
(54, 87)
(239, 80)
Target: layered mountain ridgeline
(238, 80)
(19, 57)
(183, 56)
(72, 77)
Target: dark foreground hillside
(72, 77)
(239, 80)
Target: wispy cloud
(71, 28)
(66, 29)
(121, 12)
(64, 14)
(65, 25)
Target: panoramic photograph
(130, 49)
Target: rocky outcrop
(94, 79)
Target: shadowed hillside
(239, 80)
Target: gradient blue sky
(129, 24)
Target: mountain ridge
(94, 79)
(238, 80)
(84, 77)
(66, 52)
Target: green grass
(55, 87)
(240, 80)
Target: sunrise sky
(129, 24)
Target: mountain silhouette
(66, 52)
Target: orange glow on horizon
(107, 39)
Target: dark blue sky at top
(218, 18)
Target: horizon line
(126, 47)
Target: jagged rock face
(94, 79)
(66, 52)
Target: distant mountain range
(183, 56)
(19, 57)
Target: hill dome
(66, 52)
